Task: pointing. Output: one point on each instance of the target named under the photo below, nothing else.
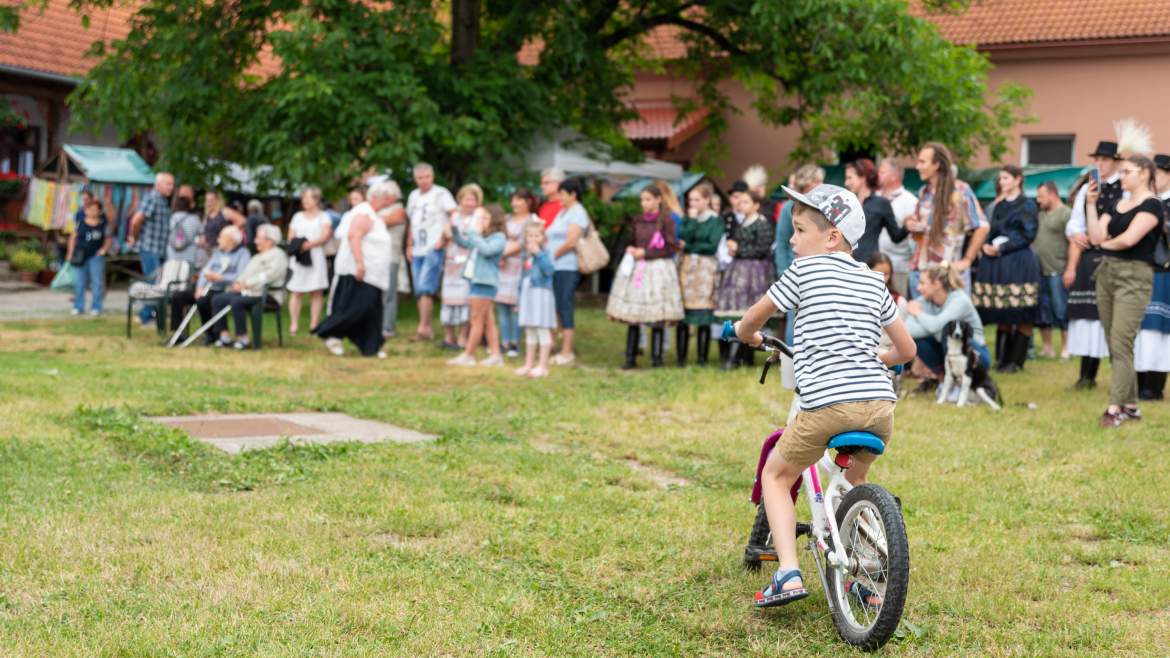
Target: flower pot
(45, 277)
(27, 277)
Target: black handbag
(1162, 253)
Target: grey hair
(423, 167)
(808, 176)
(892, 163)
(554, 173)
(255, 206)
(383, 189)
(234, 233)
(269, 232)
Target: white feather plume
(755, 176)
(1133, 138)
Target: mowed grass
(540, 523)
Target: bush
(24, 260)
(611, 218)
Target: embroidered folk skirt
(647, 295)
(744, 283)
(698, 276)
(1006, 289)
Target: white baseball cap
(838, 205)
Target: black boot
(703, 344)
(1143, 382)
(1002, 335)
(747, 356)
(732, 361)
(1016, 353)
(1158, 385)
(682, 336)
(657, 338)
(724, 349)
(1089, 366)
(631, 347)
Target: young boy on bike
(841, 309)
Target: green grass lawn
(531, 526)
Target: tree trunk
(464, 30)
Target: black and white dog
(964, 371)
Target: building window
(1048, 150)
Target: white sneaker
(538, 372)
(522, 371)
(464, 359)
(513, 353)
(494, 360)
(382, 354)
(334, 346)
(95, 313)
(74, 311)
(562, 360)
(1064, 356)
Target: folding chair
(173, 276)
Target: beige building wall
(1081, 91)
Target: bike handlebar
(770, 344)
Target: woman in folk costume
(698, 272)
(751, 272)
(1151, 350)
(645, 288)
(1086, 336)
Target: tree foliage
(351, 85)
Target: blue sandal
(775, 594)
(863, 595)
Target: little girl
(454, 311)
(648, 292)
(486, 239)
(751, 271)
(538, 315)
(698, 272)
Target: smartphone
(1095, 174)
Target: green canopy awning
(1064, 177)
(101, 164)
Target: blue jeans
(508, 317)
(150, 264)
(564, 291)
(1053, 302)
(93, 273)
(932, 352)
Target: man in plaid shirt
(149, 227)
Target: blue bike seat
(862, 440)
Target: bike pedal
(803, 529)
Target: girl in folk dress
(455, 311)
(645, 288)
(751, 271)
(311, 224)
(507, 297)
(698, 272)
(538, 311)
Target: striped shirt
(841, 307)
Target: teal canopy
(101, 164)
(680, 187)
(1064, 177)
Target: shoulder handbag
(1162, 252)
(591, 252)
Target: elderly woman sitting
(267, 268)
(222, 269)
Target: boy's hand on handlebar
(754, 339)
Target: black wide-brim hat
(1105, 150)
(1162, 162)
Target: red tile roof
(659, 120)
(54, 41)
(1004, 22)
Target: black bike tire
(897, 569)
(758, 539)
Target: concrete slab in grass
(236, 432)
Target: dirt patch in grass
(664, 479)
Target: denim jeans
(1053, 302)
(390, 304)
(150, 264)
(508, 317)
(93, 273)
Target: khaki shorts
(805, 440)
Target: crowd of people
(1083, 270)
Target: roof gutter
(40, 75)
(1075, 43)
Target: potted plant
(11, 185)
(27, 264)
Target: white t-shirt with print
(428, 214)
